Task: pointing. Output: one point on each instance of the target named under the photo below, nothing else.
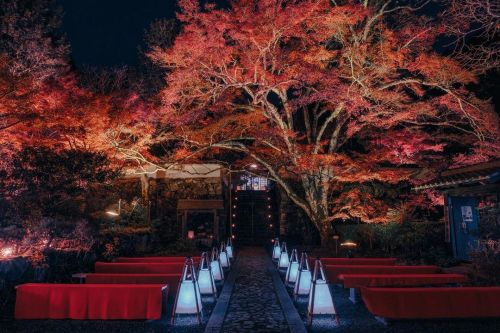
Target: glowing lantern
(190, 234)
(205, 277)
(229, 249)
(284, 260)
(293, 268)
(188, 298)
(276, 249)
(320, 297)
(224, 260)
(216, 267)
(303, 282)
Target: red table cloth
(333, 271)
(381, 280)
(88, 301)
(172, 280)
(139, 268)
(357, 261)
(422, 303)
(155, 259)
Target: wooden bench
(172, 280)
(355, 281)
(432, 303)
(139, 268)
(333, 271)
(357, 261)
(90, 301)
(156, 259)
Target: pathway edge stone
(292, 317)
(216, 320)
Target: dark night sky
(108, 32)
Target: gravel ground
(254, 305)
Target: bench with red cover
(172, 280)
(139, 268)
(333, 271)
(357, 261)
(398, 280)
(89, 301)
(428, 303)
(155, 259)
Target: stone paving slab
(254, 305)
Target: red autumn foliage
(326, 98)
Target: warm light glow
(270, 225)
(112, 213)
(233, 236)
(269, 216)
(253, 166)
(191, 234)
(6, 252)
(349, 244)
(233, 225)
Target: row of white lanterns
(306, 283)
(192, 285)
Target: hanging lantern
(284, 260)
(303, 282)
(320, 297)
(276, 249)
(224, 260)
(229, 249)
(293, 267)
(205, 277)
(188, 298)
(215, 266)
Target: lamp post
(224, 259)
(303, 283)
(284, 259)
(293, 267)
(188, 298)
(320, 296)
(276, 249)
(206, 280)
(217, 270)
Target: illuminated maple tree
(326, 97)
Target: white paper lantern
(303, 282)
(320, 297)
(276, 249)
(188, 298)
(224, 259)
(284, 259)
(229, 249)
(205, 278)
(293, 268)
(216, 267)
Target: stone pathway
(254, 305)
